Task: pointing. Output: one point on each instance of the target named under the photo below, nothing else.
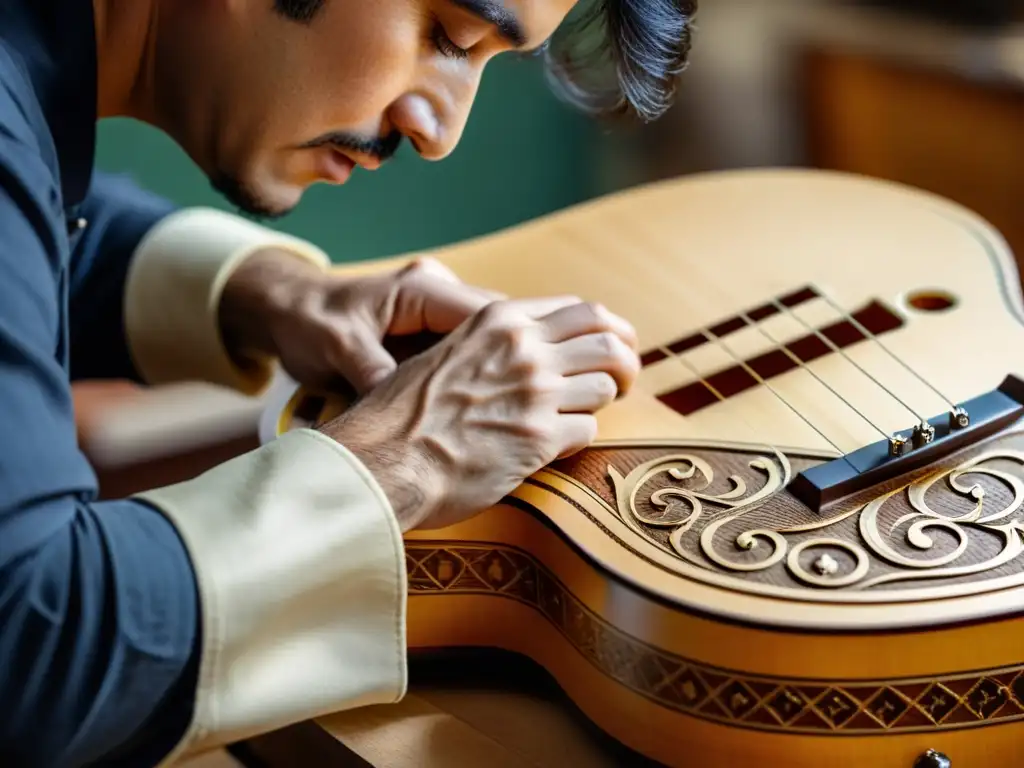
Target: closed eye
(444, 43)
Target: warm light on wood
(686, 601)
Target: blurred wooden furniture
(499, 711)
(217, 759)
(921, 102)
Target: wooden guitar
(800, 541)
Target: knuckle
(410, 270)
(425, 269)
(340, 341)
(420, 264)
(606, 387)
(496, 314)
(583, 437)
(610, 344)
(597, 310)
(540, 384)
(635, 366)
(507, 335)
(536, 431)
(507, 327)
(631, 362)
(527, 366)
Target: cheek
(359, 73)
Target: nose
(416, 118)
(434, 132)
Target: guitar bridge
(911, 449)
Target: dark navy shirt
(99, 626)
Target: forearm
(99, 632)
(265, 592)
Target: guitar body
(673, 581)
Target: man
(271, 589)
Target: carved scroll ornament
(728, 513)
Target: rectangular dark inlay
(730, 325)
(875, 317)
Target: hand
(459, 426)
(323, 327)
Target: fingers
(538, 308)
(361, 358)
(435, 268)
(578, 431)
(429, 266)
(584, 318)
(432, 298)
(582, 338)
(605, 352)
(587, 393)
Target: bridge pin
(898, 445)
(924, 433)
(958, 419)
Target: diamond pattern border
(793, 706)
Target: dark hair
(619, 57)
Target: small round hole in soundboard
(931, 300)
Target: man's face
(267, 105)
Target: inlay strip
(728, 326)
(687, 399)
(791, 705)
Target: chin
(255, 199)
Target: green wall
(523, 154)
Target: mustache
(383, 148)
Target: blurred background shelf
(926, 93)
(921, 101)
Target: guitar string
(839, 350)
(780, 347)
(714, 391)
(860, 327)
(717, 341)
(761, 380)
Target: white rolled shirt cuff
(301, 573)
(173, 291)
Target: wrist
(406, 478)
(262, 291)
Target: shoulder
(21, 114)
(28, 157)
(31, 207)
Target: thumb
(363, 361)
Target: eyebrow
(493, 12)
